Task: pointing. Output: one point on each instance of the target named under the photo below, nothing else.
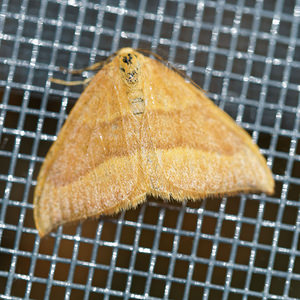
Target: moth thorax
(130, 69)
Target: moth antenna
(181, 73)
(95, 66)
(71, 83)
(158, 57)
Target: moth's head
(129, 65)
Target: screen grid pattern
(246, 55)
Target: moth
(140, 129)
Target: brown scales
(140, 129)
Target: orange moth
(140, 129)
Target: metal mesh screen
(246, 54)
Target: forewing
(93, 166)
(196, 149)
